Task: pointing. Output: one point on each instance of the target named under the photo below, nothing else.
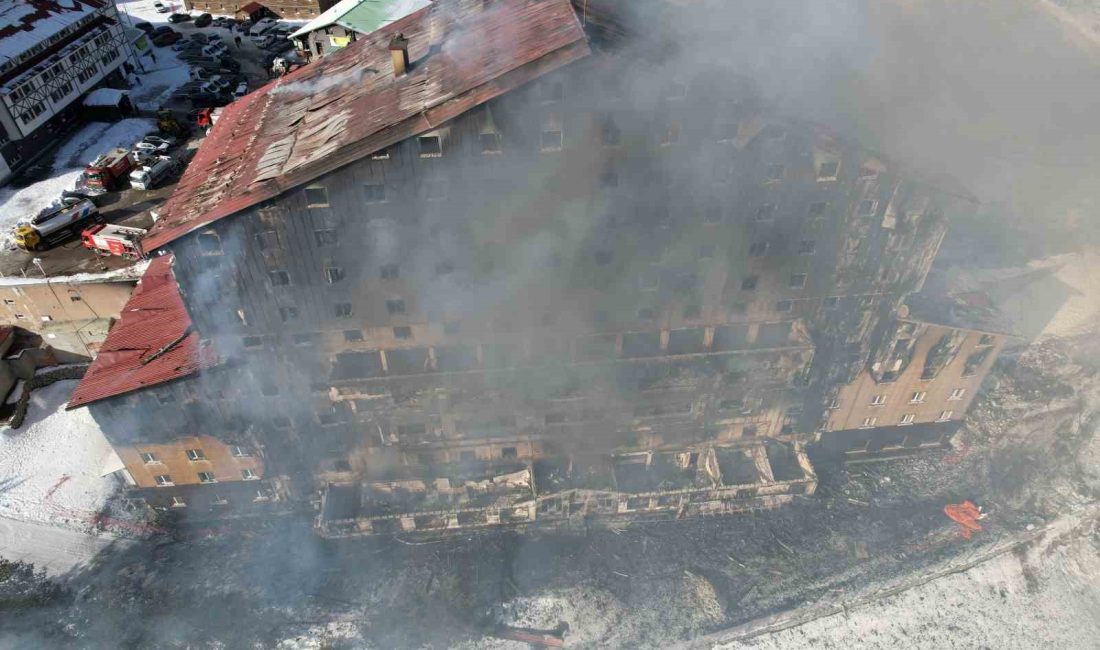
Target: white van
(262, 27)
(150, 175)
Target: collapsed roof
(152, 343)
(350, 104)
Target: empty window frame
(402, 332)
(334, 274)
(945, 416)
(817, 210)
(306, 339)
(248, 475)
(353, 336)
(316, 196)
(784, 306)
(163, 480)
(252, 342)
(325, 237)
(957, 394)
(551, 137)
(764, 212)
(390, 271)
(749, 282)
(807, 247)
(868, 208)
(868, 423)
(210, 243)
(918, 397)
(148, 458)
(908, 418)
(288, 314)
(430, 146)
(490, 143)
(179, 502)
(267, 240)
(279, 278)
(206, 477)
(776, 172)
(798, 280)
(195, 454)
(240, 452)
(828, 171)
(396, 306)
(610, 135)
(342, 310)
(834, 405)
(878, 400)
(758, 249)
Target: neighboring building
(176, 431)
(71, 313)
(52, 52)
(346, 20)
(286, 9)
(463, 283)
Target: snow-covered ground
(50, 468)
(69, 161)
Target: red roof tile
(348, 105)
(152, 342)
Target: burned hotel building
(488, 266)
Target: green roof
(363, 16)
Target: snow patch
(50, 467)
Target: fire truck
(109, 239)
(107, 171)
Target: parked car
(262, 27)
(218, 83)
(203, 20)
(241, 90)
(165, 141)
(150, 147)
(199, 37)
(162, 29)
(162, 40)
(179, 18)
(214, 39)
(161, 7)
(145, 27)
(279, 45)
(224, 21)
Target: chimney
(399, 50)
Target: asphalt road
(57, 550)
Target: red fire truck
(106, 171)
(109, 239)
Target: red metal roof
(348, 105)
(251, 7)
(150, 344)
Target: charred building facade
(476, 270)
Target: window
(395, 306)
(748, 283)
(775, 172)
(219, 500)
(798, 280)
(163, 480)
(907, 418)
(210, 243)
(316, 197)
(917, 397)
(834, 405)
(670, 135)
(74, 296)
(551, 140)
(509, 452)
(806, 247)
(248, 475)
(306, 339)
(267, 240)
(609, 133)
(764, 212)
(252, 342)
(784, 306)
(390, 271)
(178, 502)
(957, 394)
(195, 454)
(20, 317)
(726, 131)
(827, 171)
(647, 313)
(868, 423)
(552, 91)
(817, 210)
(288, 314)
(693, 311)
(430, 146)
(9, 301)
(279, 278)
(867, 172)
(353, 336)
(490, 143)
(374, 193)
(325, 237)
(206, 477)
(758, 249)
(868, 208)
(342, 310)
(985, 341)
(402, 332)
(334, 274)
(148, 458)
(945, 416)
(878, 400)
(241, 452)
